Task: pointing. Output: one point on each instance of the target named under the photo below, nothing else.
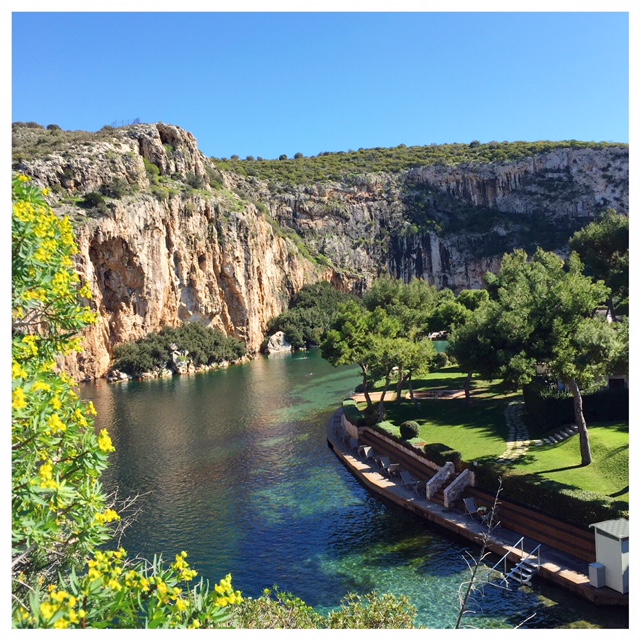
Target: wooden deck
(566, 551)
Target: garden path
(518, 441)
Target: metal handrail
(504, 574)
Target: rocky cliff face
(452, 225)
(167, 238)
(182, 255)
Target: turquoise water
(233, 466)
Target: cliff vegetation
(168, 236)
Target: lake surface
(233, 467)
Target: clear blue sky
(264, 84)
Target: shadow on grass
(485, 414)
(559, 469)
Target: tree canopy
(542, 312)
(386, 338)
(603, 246)
(310, 313)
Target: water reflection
(235, 469)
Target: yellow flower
(108, 516)
(41, 386)
(19, 399)
(182, 604)
(61, 624)
(18, 371)
(60, 596)
(46, 476)
(104, 442)
(80, 419)
(114, 584)
(23, 178)
(56, 425)
(31, 340)
(94, 573)
(46, 471)
(188, 574)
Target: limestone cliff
(167, 237)
(181, 255)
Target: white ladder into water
(521, 573)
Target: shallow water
(233, 466)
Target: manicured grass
(608, 474)
(479, 431)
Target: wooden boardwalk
(565, 552)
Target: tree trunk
(585, 445)
(612, 310)
(467, 387)
(401, 380)
(381, 403)
(413, 399)
(365, 385)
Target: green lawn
(479, 431)
(608, 474)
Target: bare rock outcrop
(166, 237)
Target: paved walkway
(558, 567)
(518, 441)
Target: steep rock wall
(195, 256)
(450, 225)
(176, 240)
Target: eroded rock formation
(171, 239)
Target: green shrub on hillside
(335, 166)
(310, 315)
(204, 346)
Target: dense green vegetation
(346, 166)
(541, 312)
(153, 352)
(310, 314)
(603, 246)
(277, 609)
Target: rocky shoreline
(190, 369)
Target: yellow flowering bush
(60, 516)
(114, 594)
(57, 459)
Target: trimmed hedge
(574, 506)
(547, 410)
(384, 429)
(441, 454)
(352, 413)
(409, 429)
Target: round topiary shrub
(409, 429)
